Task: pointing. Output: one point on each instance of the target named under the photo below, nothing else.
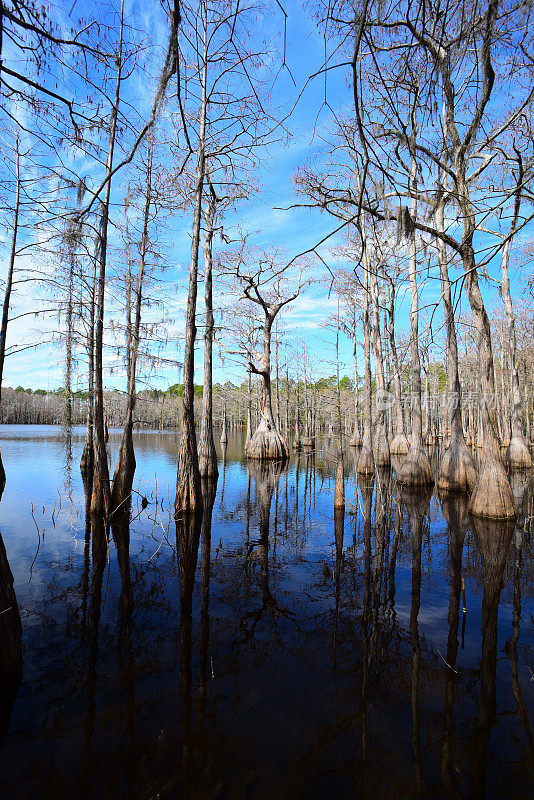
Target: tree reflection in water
(275, 647)
(455, 511)
(493, 541)
(10, 641)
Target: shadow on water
(10, 640)
(10, 643)
(274, 647)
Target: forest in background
(156, 409)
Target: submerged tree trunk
(206, 445)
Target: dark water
(276, 653)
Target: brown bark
(457, 468)
(87, 459)
(188, 480)
(9, 286)
(125, 468)
(339, 489)
(400, 444)
(206, 445)
(366, 463)
(492, 496)
(266, 443)
(297, 441)
(518, 453)
(415, 469)
(356, 439)
(101, 493)
(381, 444)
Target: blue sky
(294, 230)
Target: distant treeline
(158, 408)
(316, 400)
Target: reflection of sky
(34, 459)
(286, 675)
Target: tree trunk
(101, 493)
(87, 459)
(249, 388)
(125, 468)
(188, 480)
(339, 488)
(9, 286)
(400, 444)
(356, 439)
(381, 444)
(366, 463)
(518, 453)
(457, 468)
(415, 469)
(266, 443)
(296, 440)
(492, 496)
(206, 445)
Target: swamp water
(280, 652)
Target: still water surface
(277, 652)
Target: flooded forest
(267, 399)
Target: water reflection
(275, 647)
(493, 542)
(266, 477)
(10, 642)
(126, 673)
(455, 511)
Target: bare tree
(225, 119)
(262, 283)
(9, 281)
(125, 467)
